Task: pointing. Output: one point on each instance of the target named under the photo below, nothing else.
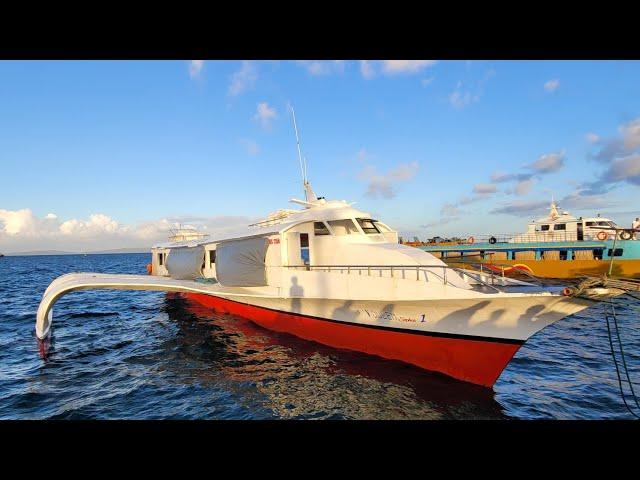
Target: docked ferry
(331, 273)
(556, 246)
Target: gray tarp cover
(185, 263)
(240, 263)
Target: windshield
(600, 223)
(343, 227)
(368, 226)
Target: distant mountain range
(97, 252)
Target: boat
(556, 246)
(331, 273)
(186, 233)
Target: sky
(110, 154)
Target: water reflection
(295, 378)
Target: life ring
(625, 235)
(492, 240)
(602, 235)
(470, 240)
(149, 268)
(566, 291)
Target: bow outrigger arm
(91, 281)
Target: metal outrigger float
(101, 281)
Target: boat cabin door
(580, 231)
(298, 248)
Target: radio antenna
(309, 194)
(303, 169)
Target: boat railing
(502, 238)
(494, 267)
(492, 280)
(534, 237)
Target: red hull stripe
(472, 359)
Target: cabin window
(304, 248)
(590, 224)
(161, 259)
(381, 227)
(617, 253)
(597, 253)
(343, 227)
(560, 226)
(368, 226)
(319, 228)
(212, 257)
(544, 228)
(563, 254)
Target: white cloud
(21, 230)
(250, 146)
(450, 210)
(427, 81)
(18, 222)
(621, 155)
(460, 99)
(539, 207)
(265, 114)
(392, 67)
(630, 133)
(624, 144)
(624, 169)
(363, 155)
(464, 95)
(522, 208)
(323, 67)
(96, 224)
(366, 69)
(51, 216)
(552, 85)
(440, 222)
(484, 188)
(551, 162)
(385, 185)
(370, 68)
(523, 187)
(195, 67)
(244, 79)
(592, 137)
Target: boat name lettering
(390, 316)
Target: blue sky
(115, 151)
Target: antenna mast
(309, 194)
(303, 169)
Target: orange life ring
(566, 291)
(471, 240)
(602, 235)
(149, 268)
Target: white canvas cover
(240, 263)
(185, 263)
